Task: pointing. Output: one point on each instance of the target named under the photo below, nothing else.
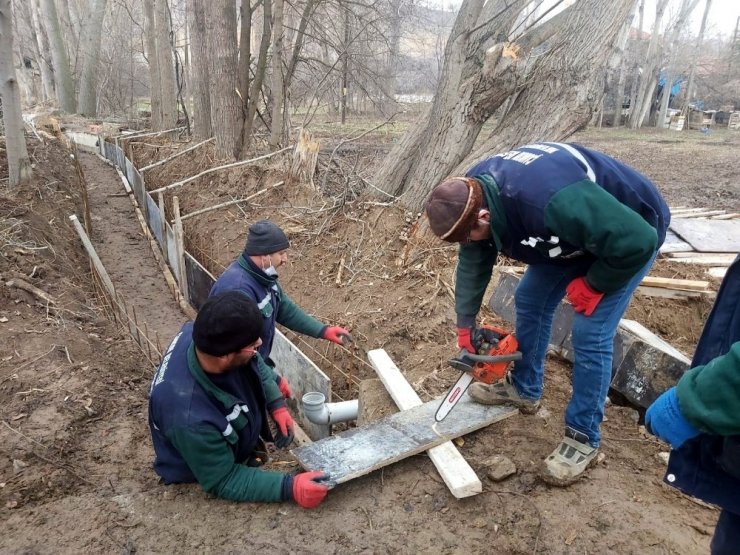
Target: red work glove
(307, 492)
(582, 296)
(464, 339)
(284, 422)
(337, 335)
(284, 388)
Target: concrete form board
(359, 451)
(303, 376)
(643, 365)
(200, 281)
(709, 236)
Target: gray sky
(722, 16)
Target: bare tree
(648, 77)
(226, 113)
(62, 75)
(90, 45)
(278, 93)
(687, 6)
(155, 76)
(168, 91)
(19, 166)
(199, 85)
(259, 76)
(548, 81)
(695, 56)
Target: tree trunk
(476, 79)
(694, 58)
(19, 165)
(618, 80)
(43, 55)
(155, 87)
(259, 76)
(345, 66)
(639, 109)
(553, 98)
(245, 51)
(200, 76)
(226, 114)
(62, 76)
(681, 22)
(391, 66)
(90, 46)
(278, 92)
(166, 64)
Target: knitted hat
(226, 323)
(265, 238)
(453, 208)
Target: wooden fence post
(163, 227)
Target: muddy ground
(75, 470)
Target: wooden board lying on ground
(359, 451)
(709, 236)
(680, 284)
(460, 478)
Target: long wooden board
(460, 478)
(359, 451)
(670, 283)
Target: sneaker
(502, 392)
(570, 459)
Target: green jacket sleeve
(474, 269)
(709, 395)
(588, 217)
(212, 462)
(268, 377)
(292, 317)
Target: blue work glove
(665, 420)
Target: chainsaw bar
(453, 396)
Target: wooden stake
(163, 226)
(180, 247)
(224, 167)
(176, 155)
(99, 268)
(231, 202)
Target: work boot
(502, 392)
(570, 459)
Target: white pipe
(318, 411)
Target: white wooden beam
(454, 469)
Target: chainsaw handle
(495, 358)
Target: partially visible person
(209, 404)
(254, 273)
(700, 418)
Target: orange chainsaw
(495, 349)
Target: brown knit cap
(453, 208)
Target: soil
(75, 471)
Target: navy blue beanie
(265, 238)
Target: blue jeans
(726, 535)
(540, 291)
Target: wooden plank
(679, 213)
(709, 236)
(668, 293)
(670, 283)
(303, 376)
(359, 451)
(704, 214)
(716, 260)
(717, 272)
(726, 216)
(694, 254)
(460, 478)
